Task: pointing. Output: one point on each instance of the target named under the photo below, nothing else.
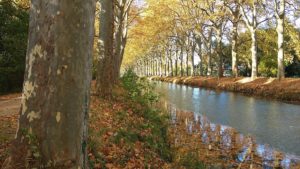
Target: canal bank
(287, 90)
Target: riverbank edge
(286, 90)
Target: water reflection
(194, 132)
(272, 122)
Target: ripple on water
(224, 142)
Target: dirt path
(10, 106)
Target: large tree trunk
(52, 130)
(254, 54)
(234, 35)
(280, 33)
(106, 65)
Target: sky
(298, 22)
(140, 2)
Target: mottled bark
(171, 67)
(219, 50)
(157, 66)
(106, 64)
(209, 56)
(52, 130)
(161, 65)
(147, 68)
(168, 66)
(234, 9)
(171, 62)
(208, 44)
(122, 14)
(193, 73)
(153, 67)
(187, 61)
(199, 44)
(181, 61)
(252, 24)
(253, 54)
(234, 35)
(176, 63)
(280, 14)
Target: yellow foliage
(154, 25)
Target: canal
(272, 123)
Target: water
(272, 123)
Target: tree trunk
(154, 67)
(119, 41)
(234, 35)
(193, 60)
(147, 68)
(187, 61)
(254, 55)
(253, 27)
(122, 12)
(161, 66)
(209, 68)
(280, 33)
(106, 66)
(157, 66)
(150, 67)
(209, 46)
(52, 130)
(219, 50)
(166, 61)
(168, 66)
(181, 61)
(199, 43)
(171, 67)
(176, 63)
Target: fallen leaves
(8, 126)
(120, 143)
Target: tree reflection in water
(220, 145)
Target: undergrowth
(130, 131)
